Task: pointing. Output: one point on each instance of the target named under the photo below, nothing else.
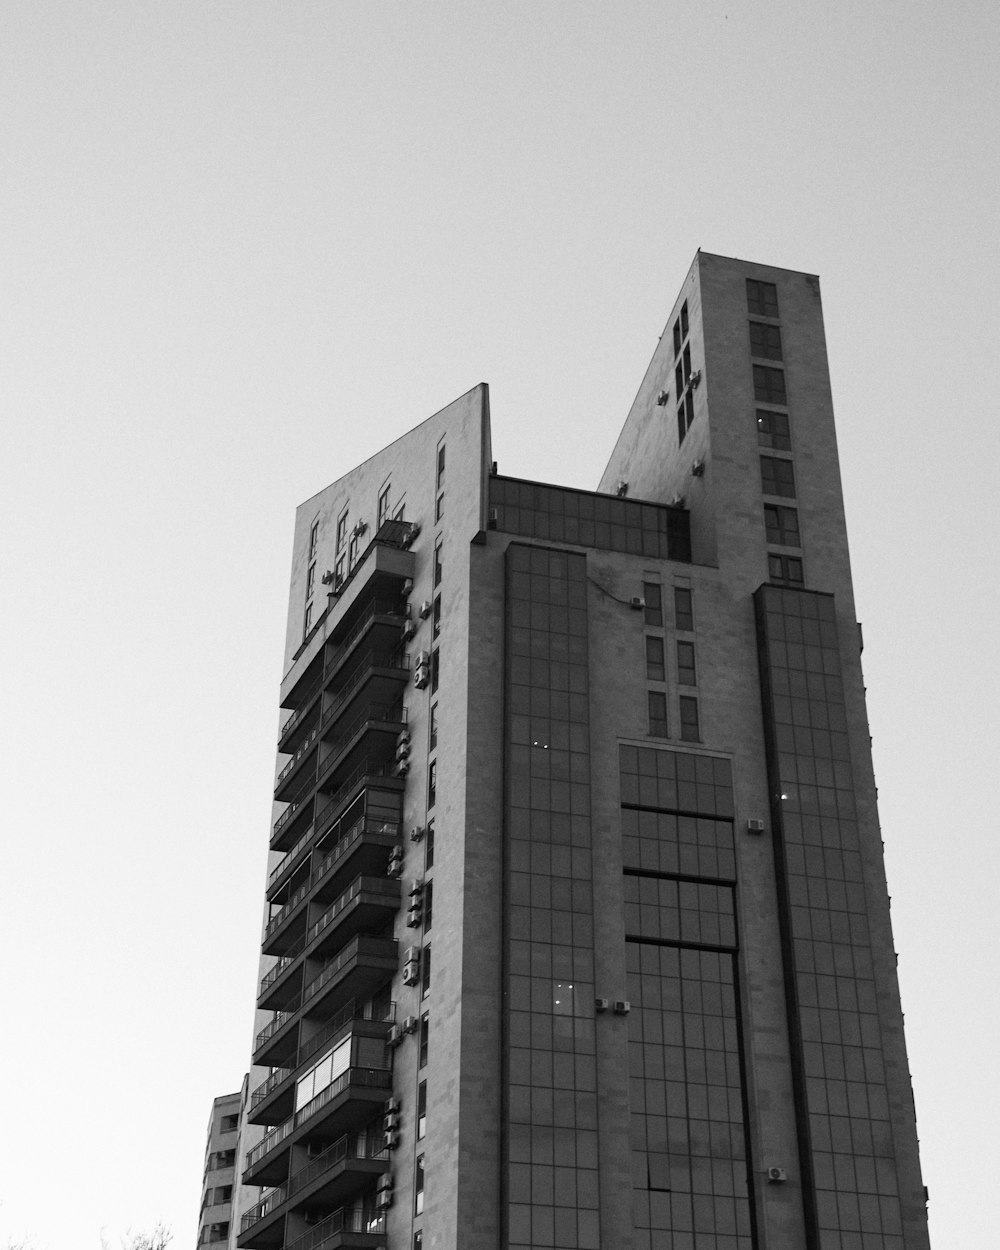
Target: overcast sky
(243, 245)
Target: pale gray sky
(244, 245)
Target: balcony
(290, 778)
(277, 1042)
(381, 674)
(349, 1164)
(363, 850)
(273, 1101)
(283, 932)
(384, 617)
(366, 906)
(348, 1102)
(281, 985)
(368, 773)
(293, 857)
(292, 823)
(358, 971)
(344, 1230)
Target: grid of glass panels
(550, 1117)
(690, 1167)
(537, 510)
(846, 1137)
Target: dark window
(428, 904)
(657, 713)
(224, 1193)
(429, 846)
(682, 428)
(683, 608)
(435, 670)
(777, 477)
(685, 416)
(229, 1123)
(338, 572)
(765, 341)
(654, 659)
(383, 504)
(313, 539)
(436, 618)
(310, 579)
(684, 319)
(421, 1110)
(679, 381)
(432, 733)
(398, 514)
(773, 431)
(769, 385)
(425, 966)
(687, 364)
(440, 467)
(352, 550)
(425, 1037)
(678, 337)
(418, 1239)
(418, 1187)
(432, 781)
(307, 623)
(685, 664)
(341, 529)
(437, 562)
(653, 598)
(784, 569)
(762, 298)
(782, 525)
(690, 731)
(439, 508)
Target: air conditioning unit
(676, 501)
(416, 887)
(384, 1181)
(360, 528)
(422, 678)
(403, 750)
(383, 1199)
(411, 973)
(422, 660)
(621, 489)
(425, 609)
(395, 865)
(410, 1024)
(621, 1007)
(391, 1141)
(391, 1122)
(401, 768)
(698, 468)
(694, 379)
(409, 629)
(637, 603)
(602, 1004)
(411, 535)
(417, 832)
(775, 1176)
(755, 826)
(662, 398)
(393, 1104)
(406, 587)
(414, 917)
(328, 577)
(411, 955)
(394, 1036)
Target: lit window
(769, 385)
(777, 477)
(690, 731)
(657, 713)
(654, 659)
(683, 608)
(653, 599)
(685, 664)
(773, 431)
(765, 341)
(762, 298)
(782, 525)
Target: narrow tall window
(683, 608)
(440, 467)
(310, 579)
(341, 530)
(657, 713)
(762, 298)
(383, 504)
(684, 319)
(685, 664)
(690, 730)
(429, 846)
(425, 966)
(435, 670)
(432, 732)
(678, 337)
(313, 539)
(439, 507)
(436, 617)
(653, 598)
(437, 562)
(421, 1111)
(307, 623)
(428, 905)
(418, 1187)
(432, 779)
(687, 364)
(425, 1037)
(654, 659)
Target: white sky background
(242, 247)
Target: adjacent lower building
(577, 932)
(220, 1182)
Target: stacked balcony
(332, 909)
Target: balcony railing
(300, 754)
(305, 699)
(283, 912)
(269, 1086)
(382, 948)
(266, 1205)
(346, 1220)
(371, 659)
(351, 1146)
(365, 825)
(374, 609)
(368, 885)
(395, 713)
(282, 864)
(281, 1018)
(289, 957)
(287, 814)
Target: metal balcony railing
(299, 755)
(269, 1086)
(369, 885)
(281, 1018)
(394, 713)
(370, 660)
(380, 948)
(346, 1220)
(369, 768)
(268, 1202)
(283, 912)
(289, 957)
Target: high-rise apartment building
(577, 931)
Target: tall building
(577, 930)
